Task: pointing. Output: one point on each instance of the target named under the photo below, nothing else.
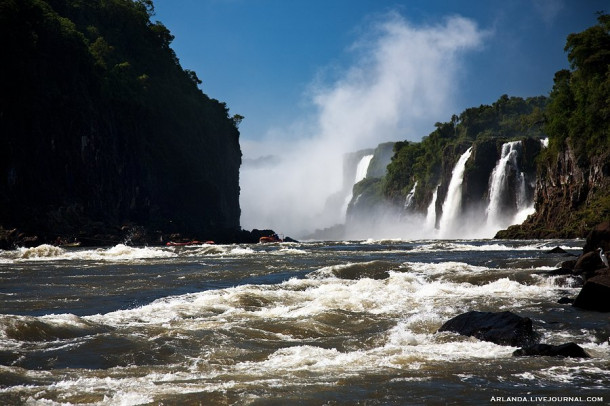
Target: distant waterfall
(453, 201)
(431, 212)
(361, 170)
(508, 202)
(409, 198)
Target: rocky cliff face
(570, 198)
(104, 135)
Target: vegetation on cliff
(100, 125)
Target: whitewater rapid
(309, 322)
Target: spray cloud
(403, 80)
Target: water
(453, 202)
(313, 323)
(500, 201)
(361, 170)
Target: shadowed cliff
(102, 131)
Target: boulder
(595, 294)
(587, 264)
(564, 350)
(504, 328)
(598, 237)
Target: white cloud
(403, 79)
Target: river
(313, 323)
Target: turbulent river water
(311, 323)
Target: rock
(568, 264)
(598, 237)
(595, 294)
(558, 272)
(504, 328)
(565, 300)
(557, 250)
(587, 264)
(564, 350)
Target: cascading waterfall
(508, 203)
(361, 170)
(453, 201)
(431, 212)
(409, 198)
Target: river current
(313, 323)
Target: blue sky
(316, 79)
(261, 56)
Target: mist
(402, 79)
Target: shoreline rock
(99, 235)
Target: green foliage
(579, 108)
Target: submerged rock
(564, 350)
(504, 328)
(557, 250)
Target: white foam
(290, 251)
(118, 252)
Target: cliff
(570, 199)
(104, 135)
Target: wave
(46, 328)
(118, 252)
(484, 246)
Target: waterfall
(431, 212)
(453, 201)
(361, 170)
(409, 198)
(508, 203)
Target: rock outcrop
(569, 198)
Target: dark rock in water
(568, 264)
(598, 237)
(558, 272)
(595, 294)
(565, 300)
(587, 264)
(504, 328)
(557, 250)
(564, 350)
